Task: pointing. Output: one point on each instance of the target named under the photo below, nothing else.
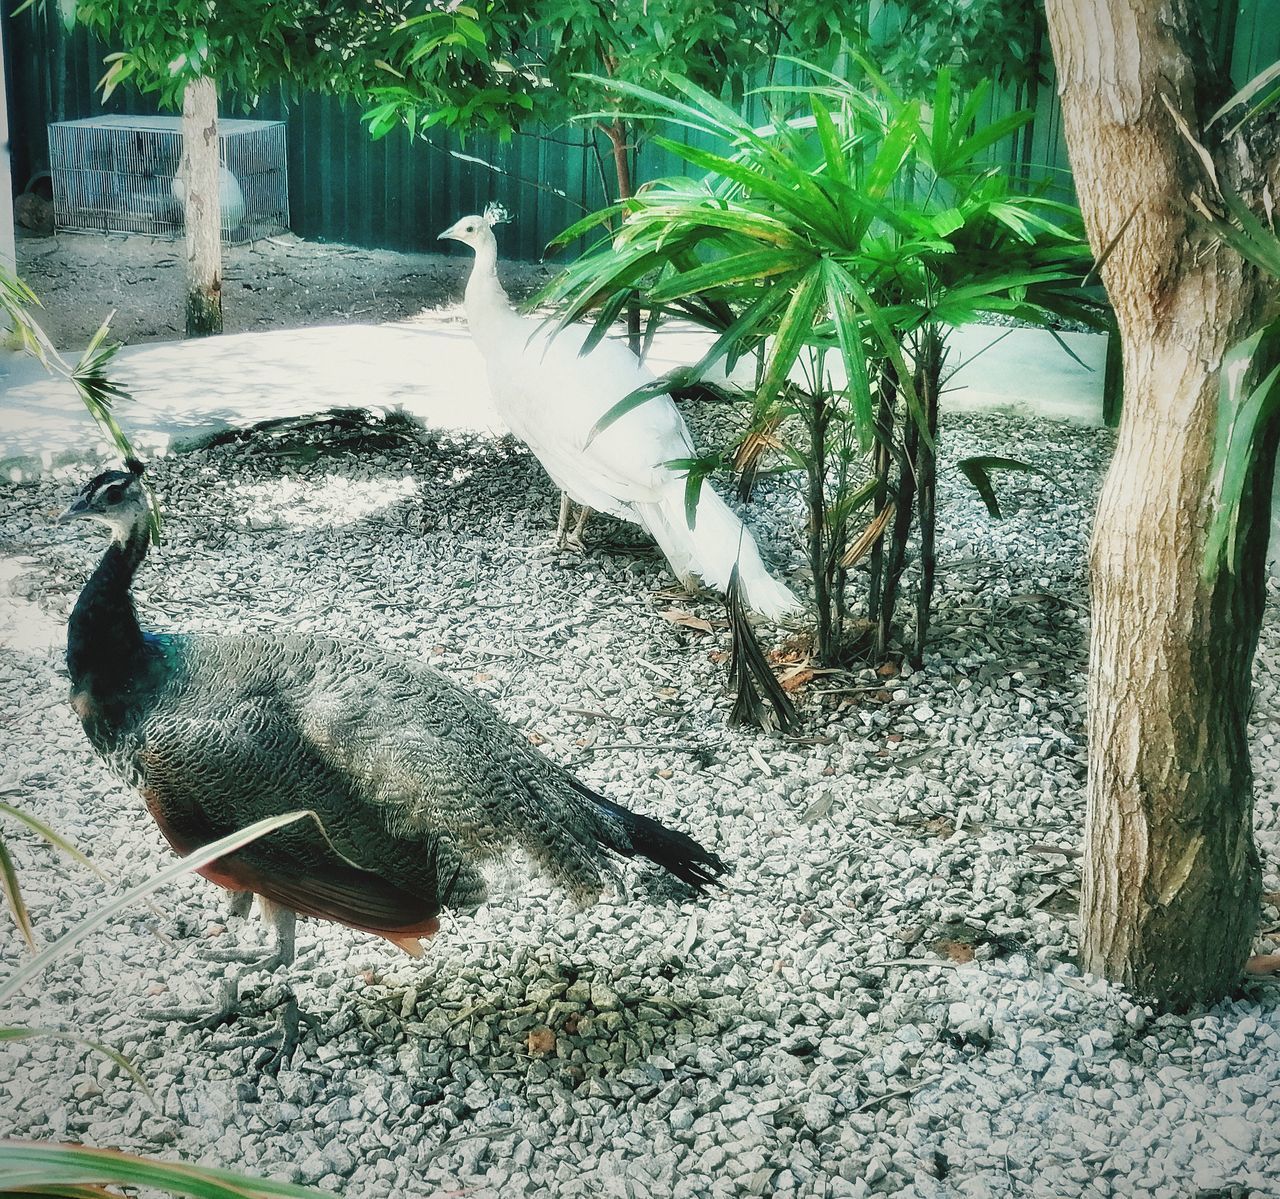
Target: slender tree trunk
(202, 208)
(1171, 878)
(899, 535)
(931, 358)
(8, 253)
(619, 138)
(823, 648)
(883, 460)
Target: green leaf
(27, 1166)
(55, 839)
(794, 330)
(852, 352)
(978, 471)
(749, 266)
(1250, 89)
(193, 861)
(13, 894)
(632, 400)
(1243, 412)
(27, 1032)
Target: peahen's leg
(282, 922)
(232, 1007)
(285, 924)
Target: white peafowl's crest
(496, 214)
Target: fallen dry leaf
(939, 826)
(956, 951)
(541, 1040)
(1271, 899)
(818, 809)
(686, 620)
(795, 678)
(718, 655)
(535, 737)
(1263, 963)
(571, 1024)
(887, 670)
(794, 650)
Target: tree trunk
(619, 139)
(1171, 875)
(930, 359)
(202, 208)
(8, 250)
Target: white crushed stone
(766, 1041)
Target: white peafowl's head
(475, 231)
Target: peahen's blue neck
(104, 640)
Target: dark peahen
(416, 783)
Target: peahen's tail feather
(709, 550)
(628, 833)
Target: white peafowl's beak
(453, 233)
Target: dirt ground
(277, 283)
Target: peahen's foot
(236, 1009)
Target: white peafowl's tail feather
(709, 550)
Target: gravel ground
(881, 1001)
(280, 282)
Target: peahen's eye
(115, 493)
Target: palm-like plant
(1249, 399)
(837, 245)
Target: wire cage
(120, 174)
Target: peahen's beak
(79, 508)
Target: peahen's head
(476, 231)
(116, 498)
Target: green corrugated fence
(343, 186)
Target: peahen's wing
(424, 758)
(226, 744)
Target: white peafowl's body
(551, 396)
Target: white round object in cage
(230, 198)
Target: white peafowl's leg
(562, 525)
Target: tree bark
(618, 134)
(1171, 875)
(202, 207)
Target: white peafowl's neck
(487, 302)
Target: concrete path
(185, 391)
